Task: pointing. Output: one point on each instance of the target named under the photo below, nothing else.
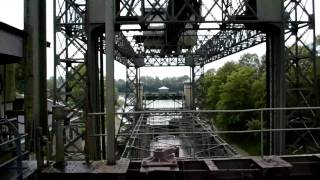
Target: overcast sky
(11, 12)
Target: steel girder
(146, 13)
(218, 15)
(227, 42)
(208, 48)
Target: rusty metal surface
(161, 160)
(9, 173)
(284, 167)
(121, 167)
(96, 167)
(271, 162)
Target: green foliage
(77, 85)
(253, 124)
(236, 95)
(259, 91)
(209, 94)
(239, 85)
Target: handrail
(210, 111)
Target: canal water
(163, 141)
(163, 104)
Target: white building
(163, 89)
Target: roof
(163, 87)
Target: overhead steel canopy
(187, 33)
(11, 44)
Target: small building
(163, 89)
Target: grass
(248, 144)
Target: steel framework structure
(70, 77)
(301, 73)
(194, 33)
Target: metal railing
(10, 142)
(262, 130)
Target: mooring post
(59, 115)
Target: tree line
(151, 84)
(242, 85)
(236, 85)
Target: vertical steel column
(140, 95)
(197, 74)
(110, 109)
(102, 118)
(36, 93)
(192, 81)
(277, 86)
(93, 91)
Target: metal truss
(301, 74)
(125, 54)
(130, 105)
(226, 43)
(70, 47)
(216, 22)
(131, 92)
(207, 47)
(183, 130)
(151, 12)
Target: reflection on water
(154, 104)
(163, 104)
(165, 141)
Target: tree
(259, 91)
(212, 84)
(151, 84)
(251, 60)
(236, 94)
(235, 86)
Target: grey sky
(11, 12)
